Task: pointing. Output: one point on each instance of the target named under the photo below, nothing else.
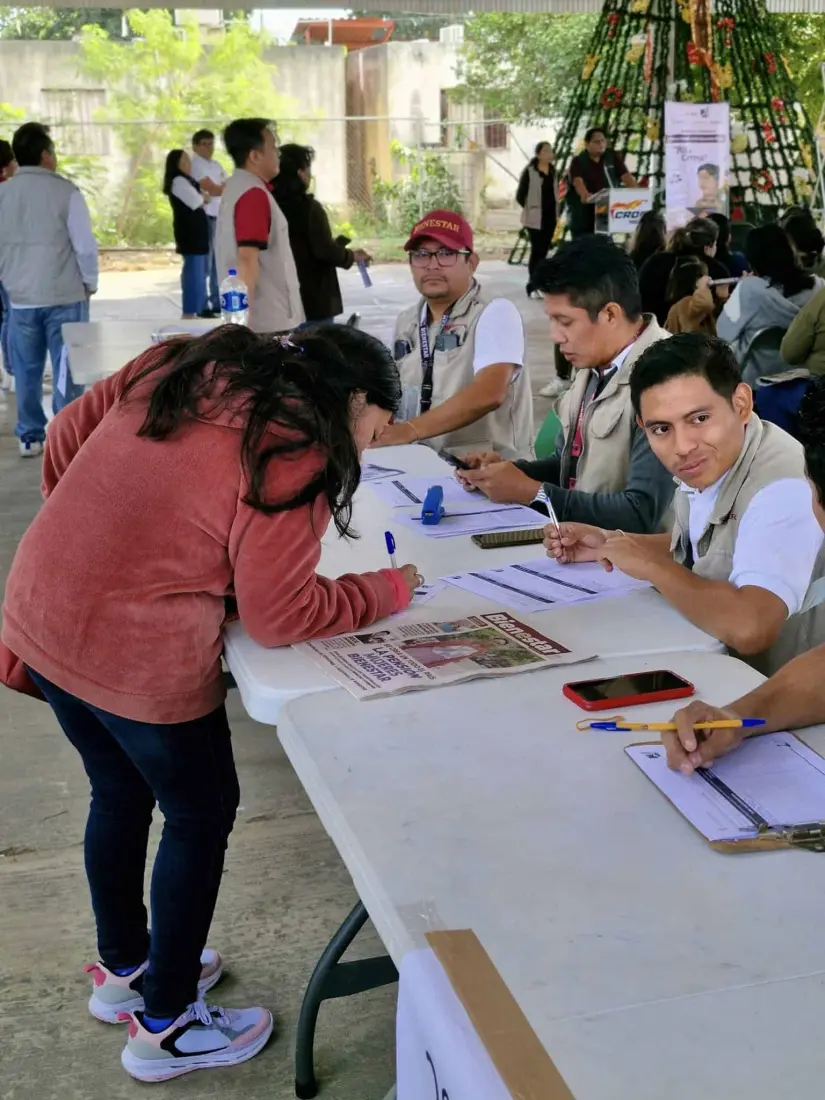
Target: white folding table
(98, 349)
(640, 623)
(649, 965)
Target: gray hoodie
(755, 305)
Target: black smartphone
(457, 463)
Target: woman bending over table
(206, 470)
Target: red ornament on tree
(768, 133)
(762, 180)
(726, 26)
(613, 22)
(770, 63)
(778, 105)
(612, 97)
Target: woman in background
(771, 298)
(692, 305)
(735, 262)
(807, 240)
(191, 229)
(698, 238)
(317, 254)
(208, 469)
(649, 238)
(537, 195)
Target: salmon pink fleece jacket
(118, 589)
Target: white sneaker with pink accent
(114, 994)
(203, 1037)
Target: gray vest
(38, 266)
(276, 306)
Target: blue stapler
(432, 510)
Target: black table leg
(330, 979)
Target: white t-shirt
(777, 541)
(201, 168)
(499, 336)
(182, 189)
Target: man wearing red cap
(460, 352)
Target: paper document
(542, 584)
(411, 656)
(772, 781)
(425, 592)
(468, 519)
(405, 490)
(371, 472)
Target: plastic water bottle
(234, 300)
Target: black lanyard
(427, 356)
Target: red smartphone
(628, 691)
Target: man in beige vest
(745, 539)
(795, 696)
(603, 471)
(459, 351)
(252, 235)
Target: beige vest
(769, 455)
(608, 423)
(276, 306)
(508, 429)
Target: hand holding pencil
(687, 750)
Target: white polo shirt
(203, 168)
(777, 541)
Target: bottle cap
(233, 271)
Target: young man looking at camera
(460, 352)
(740, 557)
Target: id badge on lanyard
(427, 356)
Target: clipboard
(806, 835)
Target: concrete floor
(285, 888)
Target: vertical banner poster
(697, 160)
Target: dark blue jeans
(213, 297)
(187, 770)
(32, 333)
(193, 284)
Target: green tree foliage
(161, 85)
(57, 23)
(409, 27)
(428, 185)
(803, 41)
(523, 66)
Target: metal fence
(376, 174)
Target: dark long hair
(293, 394)
(535, 159)
(289, 189)
(806, 237)
(771, 255)
(686, 273)
(650, 237)
(722, 222)
(172, 169)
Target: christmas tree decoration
(644, 52)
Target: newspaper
(375, 663)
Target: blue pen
(390, 541)
(619, 725)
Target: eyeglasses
(445, 257)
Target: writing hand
(685, 751)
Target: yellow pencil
(619, 724)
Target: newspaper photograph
(385, 661)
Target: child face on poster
(708, 179)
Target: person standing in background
(205, 167)
(316, 252)
(49, 268)
(252, 232)
(735, 262)
(593, 170)
(8, 166)
(189, 223)
(649, 237)
(537, 196)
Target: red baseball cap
(444, 226)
